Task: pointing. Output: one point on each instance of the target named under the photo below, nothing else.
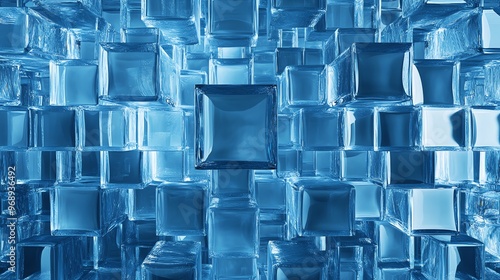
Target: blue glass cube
(53, 128)
(372, 71)
(354, 165)
(185, 91)
(10, 83)
(160, 129)
(423, 210)
(226, 137)
(287, 260)
(128, 71)
(487, 233)
(173, 260)
(232, 182)
(14, 123)
(72, 83)
(142, 203)
(105, 209)
(289, 163)
(452, 257)
(353, 257)
(139, 35)
(359, 128)
(288, 129)
(398, 271)
(130, 14)
(181, 208)
(178, 20)
(165, 165)
(233, 228)
(36, 167)
(232, 24)
(435, 82)
(49, 257)
(108, 128)
(394, 246)
(321, 207)
(270, 194)
(397, 129)
(13, 30)
(456, 166)
(124, 169)
(285, 14)
(490, 20)
(345, 37)
(369, 200)
(230, 268)
(485, 128)
(227, 71)
(305, 85)
(410, 167)
(288, 57)
(444, 128)
(345, 14)
(140, 232)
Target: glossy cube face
(73, 82)
(14, 123)
(127, 72)
(435, 82)
(320, 129)
(11, 83)
(411, 167)
(230, 19)
(485, 124)
(236, 127)
(322, 207)
(233, 230)
(397, 129)
(68, 205)
(288, 57)
(173, 260)
(231, 71)
(13, 29)
(490, 20)
(160, 129)
(452, 257)
(55, 128)
(124, 169)
(359, 129)
(444, 128)
(305, 85)
(167, 9)
(181, 209)
(393, 244)
(232, 182)
(368, 200)
(382, 71)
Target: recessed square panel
(236, 127)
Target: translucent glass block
(303, 13)
(233, 228)
(369, 200)
(435, 82)
(485, 128)
(225, 135)
(354, 165)
(352, 256)
(10, 84)
(232, 182)
(132, 257)
(72, 83)
(124, 169)
(288, 57)
(488, 233)
(288, 129)
(490, 20)
(108, 128)
(36, 167)
(127, 72)
(345, 14)
(452, 257)
(359, 131)
(90, 165)
(270, 193)
(423, 210)
(482, 204)
(185, 91)
(14, 123)
(177, 260)
(140, 232)
(178, 20)
(139, 35)
(232, 24)
(444, 128)
(142, 203)
(130, 14)
(410, 167)
(13, 30)
(372, 71)
(305, 85)
(397, 129)
(53, 128)
(345, 37)
(231, 268)
(231, 71)
(49, 257)
(190, 172)
(394, 246)
(319, 207)
(264, 68)
(394, 271)
(289, 163)
(160, 129)
(165, 165)
(491, 82)
(286, 260)
(181, 208)
(320, 129)
(105, 209)
(456, 166)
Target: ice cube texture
(245, 139)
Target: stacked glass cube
(272, 139)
